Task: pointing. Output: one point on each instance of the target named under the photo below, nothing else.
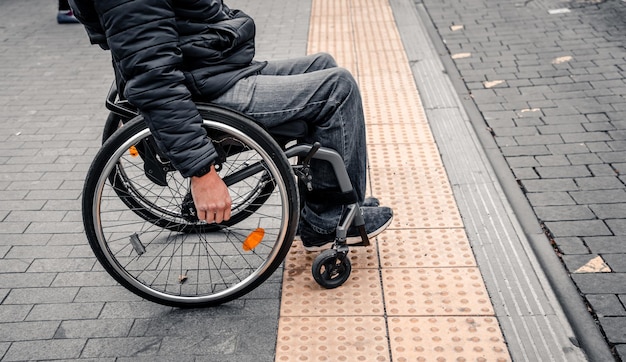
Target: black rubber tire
(206, 267)
(330, 270)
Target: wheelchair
(140, 220)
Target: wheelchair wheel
(331, 269)
(144, 197)
(138, 233)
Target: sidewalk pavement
(58, 304)
(547, 79)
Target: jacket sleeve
(85, 12)
(143, 39)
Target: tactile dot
(435, 291)
(424, 211)
(353, 339)
(361, 257)
(360, 295)
(446, 339)
(404, 248)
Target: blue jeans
(313, 89)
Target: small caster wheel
(331, 269)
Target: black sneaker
(371, 202)
(377, 219)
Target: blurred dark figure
(65, 14)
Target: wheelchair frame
(330, 269)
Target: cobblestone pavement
(549, 79)
(546, 75)
(56, 302)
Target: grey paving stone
(571, 245)
(562, 171)
(617, 262)
(13, 265)
(165, 358)
(53, 195)
(505, 141)
(14, 313)
(606, 305)
(525, 151)
(40, 295)
(62, 265)
(121, 347)
(614, 328)
(21, 205)
(599, 196)
(39, 252)
(597, 147)
(13, 227)
(598, 126)
(601, 283)
(94, 328)
(606, 244)
(585, 137)
(525, 173)
(543, 185)
(68, 239)
(617, 226)
(574, 262)
(618, 156)
(64, 311)
(602, 170)
(21, 239)
(113, 293)
(617, 145)
(83, 279)
(35, 185)
(579, 228)
(609, 211)
(523, 161)
(564, 213)
(26, 280)
(552, 160)
(44, 216)
(550, 198)
(539, 140)
(62, 349)
(621, 351)
(125, 310)
(556, 120)
(27, 331)
(567, 149)
(599, 183)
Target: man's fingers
(213, 216)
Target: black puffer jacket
(167, 52)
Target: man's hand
(211, 197)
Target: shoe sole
(351, 240)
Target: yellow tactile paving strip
(416, 293)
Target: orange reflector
(253, 239)
(133, 151)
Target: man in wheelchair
(168, 53)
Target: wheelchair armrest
(118, 106)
